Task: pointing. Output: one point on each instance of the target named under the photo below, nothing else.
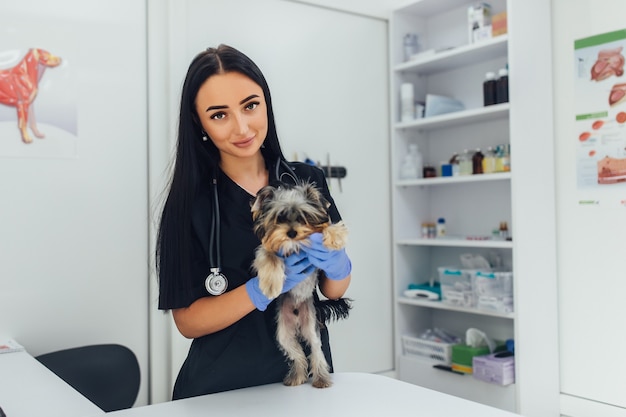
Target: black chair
(108, 374)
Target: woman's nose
(241, 125)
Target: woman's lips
(244, 143)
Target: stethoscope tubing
(216, 282)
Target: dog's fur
(285, 216)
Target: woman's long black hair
(197, 160)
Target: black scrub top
(246, 353)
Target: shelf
(430, 8)
(457, 243)
(443, 306)
(463, 117)
(456, 57)
(462, 179)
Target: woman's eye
(252, 106)
(218, 116)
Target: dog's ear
(266, 193)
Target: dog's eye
(282, 218)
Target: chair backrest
(108, 374)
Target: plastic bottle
(489, 161)
(465, 163)
(408, 170)
(502, 86)
(506, 157)
(441, 227)
(477, 162)
(410, 45)
(407, 102)
(489, 88)
(417, 159)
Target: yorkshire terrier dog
(284, 217)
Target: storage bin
(436, 352)
(493, 291)
(456, 286)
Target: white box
(478, 18)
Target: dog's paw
(270, 286)
(319, 382)
(293, 379)
(335, 236)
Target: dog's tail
(330, 310)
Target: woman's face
(233, 112)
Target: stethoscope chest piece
(216, 283)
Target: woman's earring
(205, 137)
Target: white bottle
(441, 227)
(416, 155)
(407, 102)
(408, 170)
(489, 161)
(465, 163)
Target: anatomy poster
(37, 95)
(600, 94)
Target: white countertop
(353, 394)
(29, 389)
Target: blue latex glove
(335, 263)
(297, 268)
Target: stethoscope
(216, 282)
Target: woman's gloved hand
(297, 268)
(335, 263)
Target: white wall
(73, 230)
(329, 89)
(590, 255)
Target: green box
(462, 356)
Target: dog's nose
(291, 234)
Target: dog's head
(284, 215)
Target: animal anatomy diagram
(19, 87)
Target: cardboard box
(478, 19)
(499, 24)
(463, 355)
(496, 368)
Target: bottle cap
(490, 75)
(503, 72)
(441, 220)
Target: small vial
(441, 227)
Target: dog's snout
(292, 233)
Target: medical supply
(477, 162)
(489, 161)
(456, 286)
(410, 46)
(437, 105)
(429, 230)
(429, 171)
(446, 169)
(504, 230)
(489, 89)
(433, 345)
(479, 22)
(407, 102)
(493, 291)
(496, 368)
(502, 86)
(418, 161)
(441, 227)
(463, 355)
(465, 163)
(499, 25)
(408, 170)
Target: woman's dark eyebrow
(248, 98)
(225, 107)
